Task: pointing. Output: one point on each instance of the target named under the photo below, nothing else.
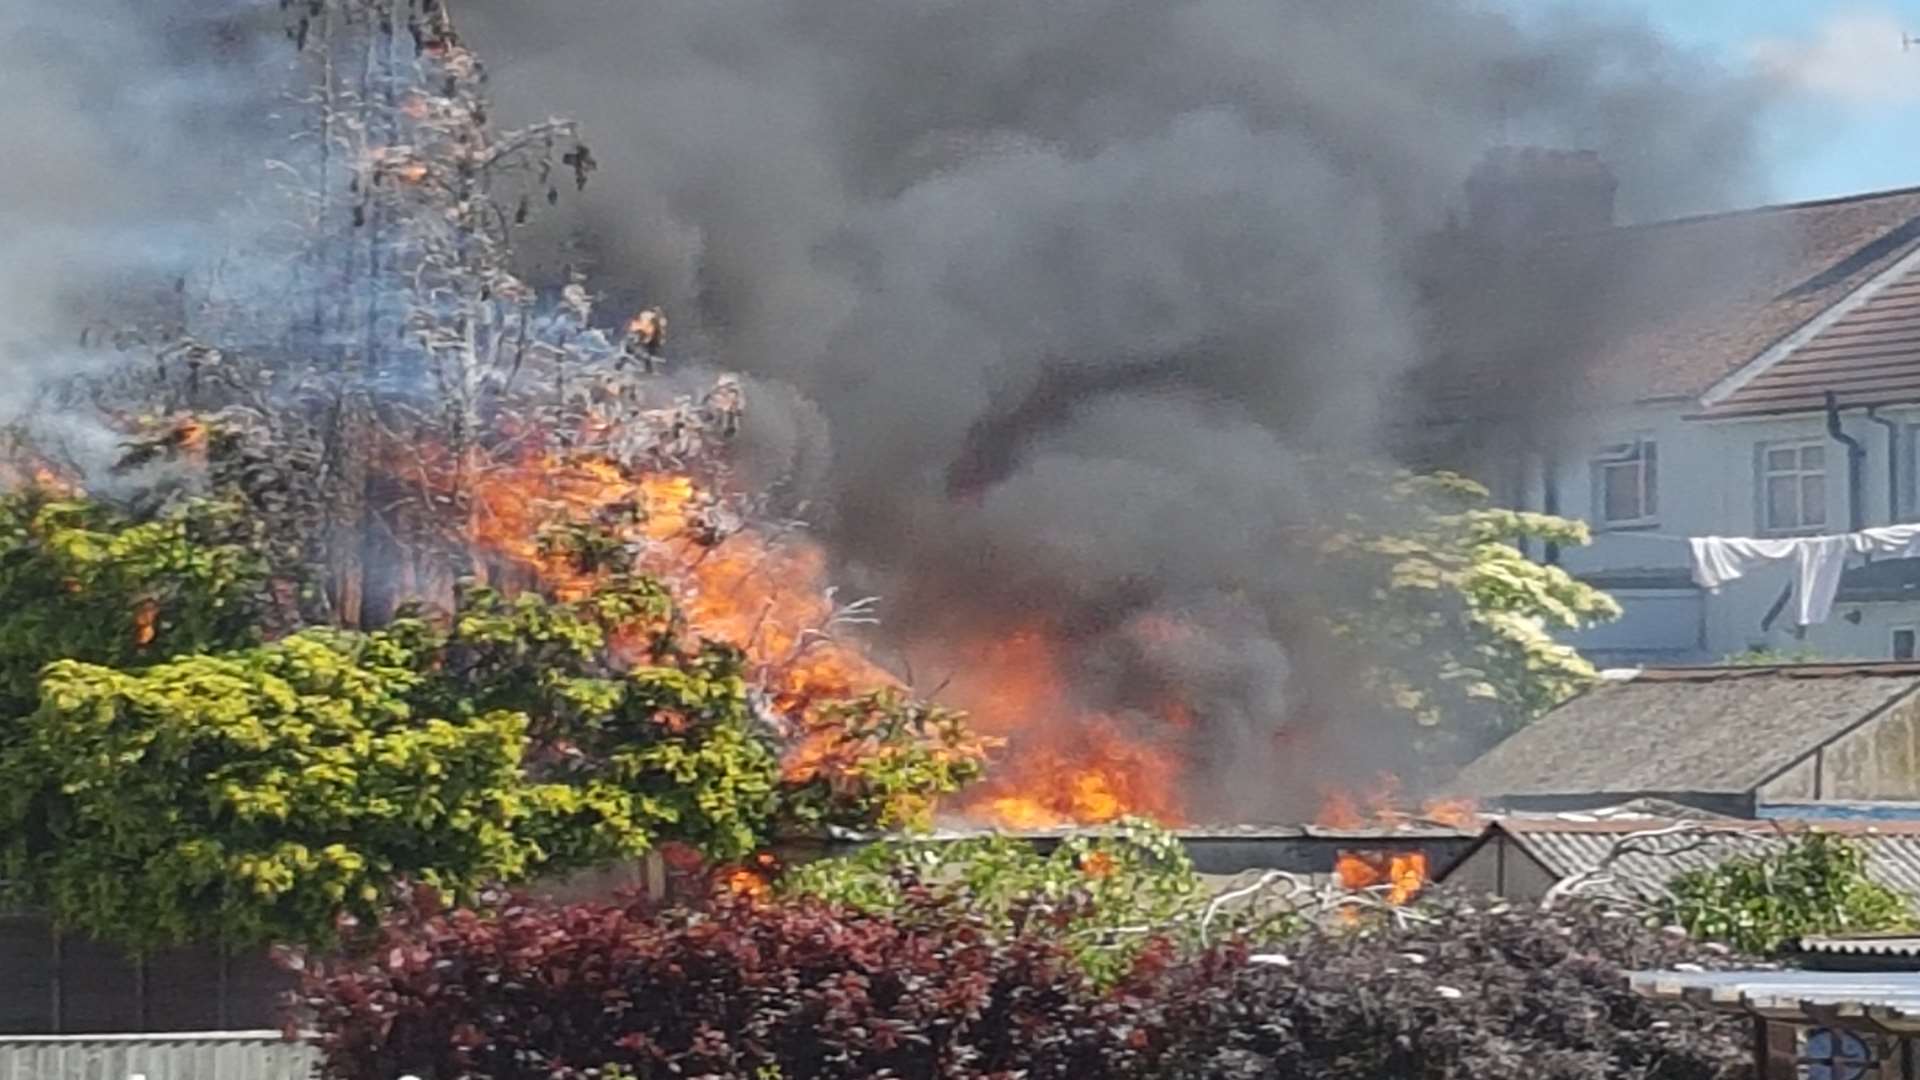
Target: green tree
(83, 580)
(260, 794)
(1757, 903)
(1458, 621)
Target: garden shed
(1725, 739)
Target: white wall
(1707, 486)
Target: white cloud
(1854, 56)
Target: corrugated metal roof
(1863, 945)
(1830, 999)
(226, 1055)
(1566, 848)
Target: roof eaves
(1805, 332)
(1761, 210)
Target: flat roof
(1872, 1001)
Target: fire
(1459, 813)
(1401, 874)
(754, 882)
(191, 435)
(770, 594)
(748, 883)
(767, 594)
(1382, 806)
(1084, 766)
(145, 616)
(40, 476)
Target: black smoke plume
(1079, 287)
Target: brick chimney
(1526, 190)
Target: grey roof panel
(1836, 999)
(233, 1055)
(1699, 730)
(1564, 849)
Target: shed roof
(1889, 1001)
(1710, 730)
(1902, 945)
(1650, 852)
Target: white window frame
(1764, 473)
(1893, 633)
(1642, 451)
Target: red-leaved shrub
(736, 990)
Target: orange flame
(1382, 807)
(769, 594)
(748, 883)
(191, 435)
(1070, 765)
(1401, 874)
(144, 618)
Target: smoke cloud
(133, 126)
(1076, 287)
(1047, 307)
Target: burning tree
(398, 414)
(410, 571)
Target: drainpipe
(1856, 454)
(1893, 462)
(1550, 499)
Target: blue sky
(1850, 120)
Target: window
(1793, 487)
(1625, 484)
(1904, 639)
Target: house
(1730, 740)
(1754, 373)
(1523, 857)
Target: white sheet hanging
(1819, 561)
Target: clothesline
(1638, 534)
(1818, 561)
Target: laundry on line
(1818, 561)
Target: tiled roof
(1870, 355)
(1565, 848)
(1668, 310)
(1720, 730)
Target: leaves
(83, 580)
(1758, 903)
(1109, 898)
(1458, 620)
(741, 989)
(263, 793)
